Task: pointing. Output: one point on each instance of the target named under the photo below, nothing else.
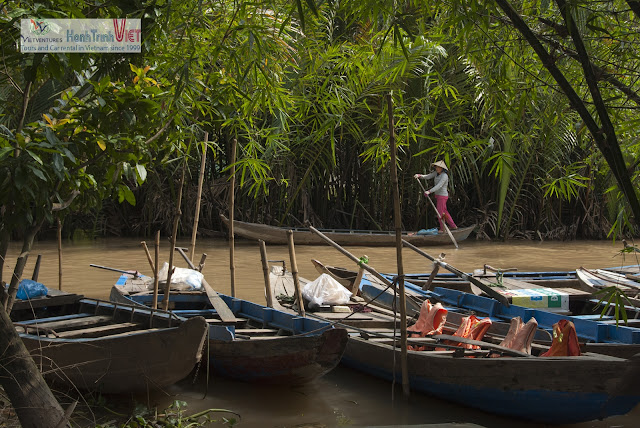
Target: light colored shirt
(440, 182)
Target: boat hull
(125, 362)
(279, 360)
(547, 390)
(285, 349)
(278, 235)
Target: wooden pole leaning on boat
(218, 304)
(444, 223)
(146, 251)
(294, 272)
(490, 291)
(356, 260)
(232, 186)
(363, 265)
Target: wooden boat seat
(72, 323)
(256, 331)
(238, 321)
(101, 331)
(58, 318)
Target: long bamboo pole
(196, 218)
(154, 303)
(355, 259)
(490, 291)
(59, 255)
(176, 220)
(398, 227)
(232, 186)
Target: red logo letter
(119, 29)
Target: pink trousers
(441, 206)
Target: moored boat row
(509, 385)
(276, 346)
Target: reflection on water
(343, 397)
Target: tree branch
(605, 138)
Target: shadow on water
(343, 398)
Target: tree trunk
(30, 396)
(4, 247)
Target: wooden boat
(526, 290)
(513, 385)
(551, 279)
(369, 238)
(598, 332)
(262, 345)
(629, 271)
(598, 279)
(111, 348)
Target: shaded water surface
(343, 397)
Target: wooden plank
(58, 318)
(256, 331)
(218, 304)
(40, 302)
(221, 322)
(72, 323)
(100, 331)
(480, 343)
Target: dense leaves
(301, 87)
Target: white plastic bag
(182, 279)
(325, 290)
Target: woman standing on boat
(439, 189)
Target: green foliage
(302, 88)
(567, 184)
(174, 417)
(613, 297)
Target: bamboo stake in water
(198, 198)
(294, 272)
(232, 186)
(398, 227)
(154, 303)
(59, 255)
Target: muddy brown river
(344, 397)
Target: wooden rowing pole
(218, 304)
(444, 223)
(490, 291)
